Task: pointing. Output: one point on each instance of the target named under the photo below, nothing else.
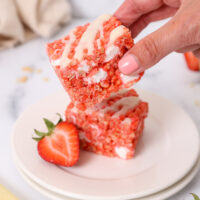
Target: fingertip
(129, 64)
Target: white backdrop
(93, 8)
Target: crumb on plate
(46, 79)
(27, 69)
(197, 103)
(22, 79)
(192, 85)
(38, 71)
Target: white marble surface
(170, 78)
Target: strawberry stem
(60, 119)
(39, 133)
(195, 196)
(36, 139)
(50, 126)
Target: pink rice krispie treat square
(86, 60)
(112, 127)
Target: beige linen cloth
(21, 20)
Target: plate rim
(166, 193)
(78, 195)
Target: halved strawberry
(60, 145)
(192, 62)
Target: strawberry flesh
(61, 147)
(193, 63)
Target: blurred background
(26, 75)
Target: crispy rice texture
(110, 120)
(105, 129)
(78, 74)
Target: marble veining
(14, 102)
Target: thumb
(152, 49)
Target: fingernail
(128, 64)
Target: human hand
(181, 33)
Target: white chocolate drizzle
(88, 37)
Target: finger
(131, 10)
(173, 3)
(159, 14)
(152, 48)
(197, 53)
(188, 48)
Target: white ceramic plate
(164, 194)
(166, 153)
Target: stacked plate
(166, 160)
